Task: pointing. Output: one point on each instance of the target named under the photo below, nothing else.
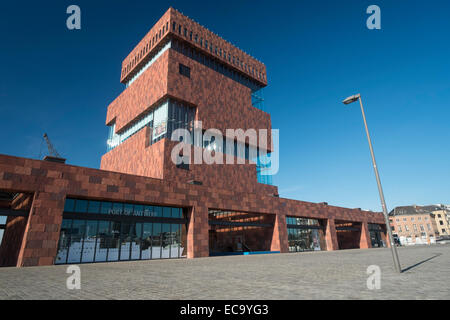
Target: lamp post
(380, 189)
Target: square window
(185, 71)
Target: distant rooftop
(415, 209)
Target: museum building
(142, 205)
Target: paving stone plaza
(309, 275)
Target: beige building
(441, 216)
(414, 224)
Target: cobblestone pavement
(308, 275)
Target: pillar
(365, 242)
(40, 241)
(331, 235)
(279, 236)
(198, 233)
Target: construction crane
(54, 155)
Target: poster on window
(160, 121)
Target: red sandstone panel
(134, 156)
(144, 92)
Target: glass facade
(305, 234)
(258, 99)
(163, 120)
(127, 232)
(239, 150)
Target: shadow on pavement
(423, 261)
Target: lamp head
(352, 99)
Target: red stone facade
(50, 183)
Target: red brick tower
(181, 72)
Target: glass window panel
(69, 205)
(76, 241)
(117, 208)
(125, 240)
(146, 241)
(106, 208)
(102, 241)
(113, 243)
(156, 241)
(148, 211)
(94, 206)
(315, 240)
(167, 212)
(136, 240)
(64, 241)
(128, 209)
(160, 121)
(81, 206)
(291, 240)
(166, 240)
(183, 247)
(176, 241)
(89, 241)
(138, 210)
(157, 211)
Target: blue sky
(317, 53)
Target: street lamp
(397, 266)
